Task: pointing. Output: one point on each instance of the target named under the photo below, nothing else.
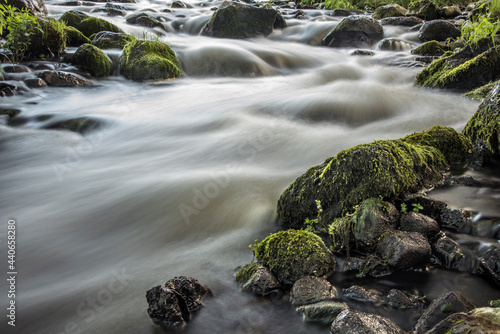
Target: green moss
(431, 48)
(93, 60)
(481, 92)
(391, 10)
(149, 60)
(495, 303)
(48, 38)
(293, 254)
(73, 18)
(93, 25)
(74, 37)
(245, 273)
(108, 43)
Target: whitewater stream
(183, 175)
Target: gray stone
(417, 222)
(261, 282)
(356, 322)
(438, 30)
(404, 250)
(356, 31)
(63, 79)
(361, 294)
(309, 290)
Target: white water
(186, 174)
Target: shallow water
(184, 175)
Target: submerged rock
(236, 20)
(361, 294)
(80, 125)
(402, 300)
(93, 60)
(173, 304)
(325, 311)
(480, 320)
(63, 79)
(111, 40)
(143, 19)
(357, 31)
(311, 289)
(356, 322)
(149, 60)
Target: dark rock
(74, 37)
(10, 112)
(431, 48)
(36, 7)
(440, 309)
(261, 283)
(486, 227)
(111, 40)
(361, 294)
(459, 220)
(425, 10)
(35, 83)
(48, 40)
(325, 311)
(404, 250)
(15, 68)
(310, 289)
(93, 60)
(484, 320)
(402, 300)
(80, 125)
(236, 20)
(356, 31)
(355, 322)
(362, 53)
(391, 10)
(464, 181)
(374, 266)
(179, 4)
(449, 254)
(172, 305)
(408, 21)
(341, 12)
(394, 44)
(63, 79)
(417, 222)
(11, 88)
(451, 11)
(438, 30)
(143, 19)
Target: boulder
(239, 21)
(440, 309)
(361, 294)
(438, 30)
(88, 25)
(80, 125)
(430, 48)
(402, 300)
(404, 250)
(357, 31)
(451, 11)
(149, 60)
(484, 126)
(172, 305)
(311, 289)
(451, 255)
(93, 60)
(73, 18)
(293, 254)
(425, 10)
(324, 312)
(417, 222)
(261, 282)
(143, 19)
(74, 37)
(111, 40)
(47, 40)
(406, 21)
(480, 320)
(63, 79)
(384, 168)
(459, 220)
(356, 322)
(391, 10)
(36, 7)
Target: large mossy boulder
(88, 25)
(293, 254)
(389, 169)
(149, 60)
(460, 72)
(357, 31)
(74, 37)
(239, 21)
(479, 320)
(93, 60)
(391, 10)
(430, 48)
(484, 126)
(48, 39)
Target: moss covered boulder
(357, 31)
(430, 48)
(484, 126)
(48, 39)
(293, 254)
(388, 169)
(111, 40)
(93, 60)
(149, 60)
(391, 10)
(74, 37)
(73, 18)
(458, 71)
(88, 25)
(479, 320)
(239, 21)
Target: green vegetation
(21, 25)
(245, 273)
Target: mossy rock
(293, 254)
(111, 40)
(74, 37)
(388, 169)
(239, 21)
(73, 18)
(451, 72)
(245, 273)
(93, 60)
(431, 48)
(391, 10)
(483, 128)
(481, 92)
(93, 25)
(149, 60)
(48, 39)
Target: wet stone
(325, 311)
(417, 222)
(361, 294)
(261, 282)
(310, 290)
(35, 83)
(356, 322)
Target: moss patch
(74, 37)
(245, 273)
(48, 39)
(431, 48)
(93, 60)
(93, 25)
(109, 40)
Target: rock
(480, 320)
(391, 10)
(362, 53)
(63, 79)
(88, 25)
(178, 4)
(425, 10)
(451, 11)
(91, 59)
(394, 44)
(149, 60)
(172, 305)
(430, 48)
(73, 18)
(361, 294)
(36, 7)
(74, 37)
(356, 322)
(35, 83)
(408, 21)
(440, 309)
(438, 30)
(80, 125)
(483, 127)
(404, 250)
(111, 40)
(384, 168)
(261, 282)
(402, 300)
(356, 31)
(293, 254)
(459, 220)
(311, 289)
(10, 112)
(7, 89)
(143, 19)
(239, 21)
(451, 255)
(48, 40)
(325, 311)
(417, 222)
(341, 12)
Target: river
(184, 175)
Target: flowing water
(184, 175)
